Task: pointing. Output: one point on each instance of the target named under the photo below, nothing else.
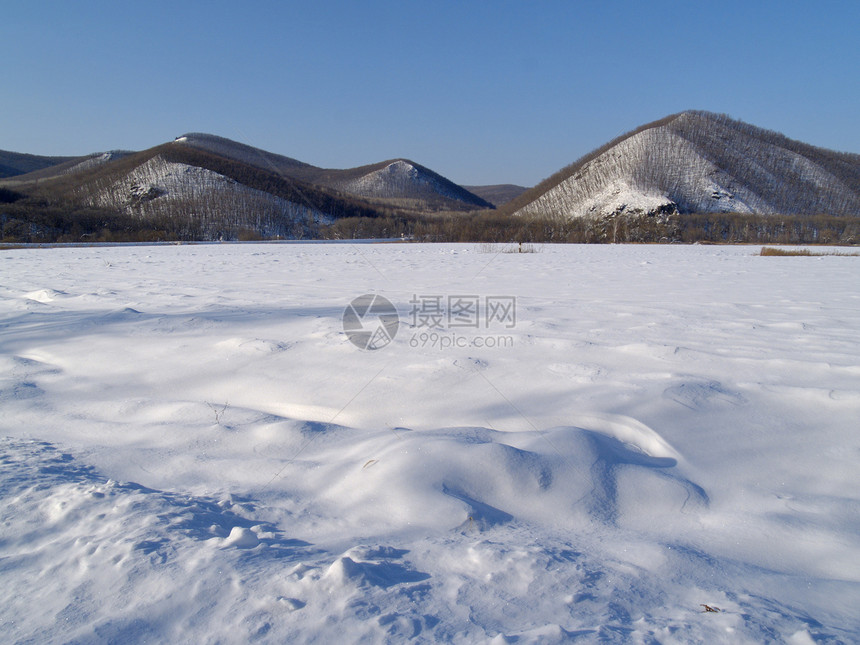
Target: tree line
(24, 221)
(35, 218)
(715, 228)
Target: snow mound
(44, 295)
(242, 537)
(129, 563)
(474, 479)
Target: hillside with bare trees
(208, 188)
(693, 176)
(699, 162)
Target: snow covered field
(193, 451)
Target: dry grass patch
(769, 250)
(513, 247)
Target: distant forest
(31, 219)
(717, 228)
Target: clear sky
(481, 92)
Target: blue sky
(482, 92)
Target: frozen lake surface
(587, 444)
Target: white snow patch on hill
(158, 177)
(620, 197)
(161, 187)
(699, 164)
(398, 179)
(630, 175)
(93, 161)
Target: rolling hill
(699, 162)
(13, 164)
(497, 194)
(396, 182)
(202, 186)
(692, 176)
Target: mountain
(397, 183)
(497, 194)
(201, 186)
(190, 193)
(716, 173)
(13, 164)
(70, 166)
(699, 162)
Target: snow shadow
(481, 516)
(28, 465)
(383, 574)
(611, 456)
(49, 325)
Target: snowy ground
(194, 451)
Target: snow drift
(193, 451)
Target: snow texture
(192, 451)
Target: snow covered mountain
(240, 152)
(396, 182)
(190, 194)
(201, 186)
(699, 162)
(208, 200)
(404, 182)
